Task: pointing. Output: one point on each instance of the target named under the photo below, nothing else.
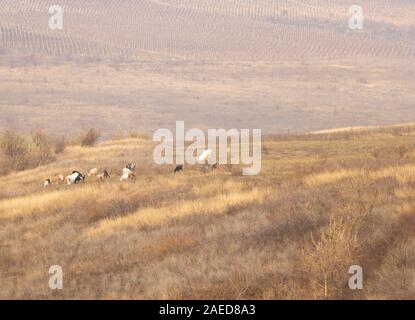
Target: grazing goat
(58, 179)
(130, 166)
(93, 172)
(179, 168)
(47, 183)
(75, 177)
(205, 156)
(103, 176)
(127, 174)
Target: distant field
(218, 30)
(276, 65)
(321, 204)
(275, 97)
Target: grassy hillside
(322, 203)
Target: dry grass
(159, 216)
(320, 204)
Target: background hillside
(275, 65)
(322, 202)
(214, 30)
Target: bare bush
(15, 149)
(90, 137)
(20, 152)
(42, 151)
(59, 144)
(330, 255)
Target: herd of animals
(76, 177)
(127, 172)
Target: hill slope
(321, 203)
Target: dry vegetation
(275, 65)
(25, 151)
(276, 97)
(20, 152)
(321, 203)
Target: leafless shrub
(90, 137)
(42, 151)
(332, 253)
(15, 149)
(59, 144)
(20, 152)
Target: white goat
(75, 178)
(47, 183)
(93, 172)
(126, 174)
(205, 155)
